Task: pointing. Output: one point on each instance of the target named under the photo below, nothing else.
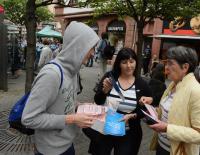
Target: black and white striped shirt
(127, 106)
(165, 106)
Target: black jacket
(142, 89)
(157, 88)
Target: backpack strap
(61, 71)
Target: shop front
(116, 30)
(180, 32)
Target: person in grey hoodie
(50, 110)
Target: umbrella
(48, 32)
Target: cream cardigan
(183, 128)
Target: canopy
(1, 9)
(177, 36)
(48, 32)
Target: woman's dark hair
(184, 55)
(124, 54)
(197, 74)
(158, 72)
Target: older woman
(134, 90)
(179, 111)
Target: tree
(15, 12)
(30, 22)
(143, 12)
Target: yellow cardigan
(183, 128)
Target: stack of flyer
(107, 121)
(151, 116)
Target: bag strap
(61, 71)
(116, 87)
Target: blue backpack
(17, 110)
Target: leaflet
(114, 124)
(151, 116)
(107, 121)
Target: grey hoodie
(47, 105)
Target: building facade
(124, 30)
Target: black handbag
(93, 135)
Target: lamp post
(3, 53)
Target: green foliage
(145, 10)
(15, 11)
(43, 14)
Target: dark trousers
(125, 145)
(146, 65)
(70, 151)
(161, 151)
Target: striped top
(114, 101)
(165, 106)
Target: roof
(177, 36)
(70, 10)
(48, 32)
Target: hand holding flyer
(107, 121)
(99, 113)
(151, 115)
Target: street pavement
(89, 76)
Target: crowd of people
(50, 109)
(46, 50)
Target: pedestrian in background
(46, 54)
(179, 112)
(157, 83)
(50, 110)
(146, 59)
(15, 63)
(135, 90)
(101, 45)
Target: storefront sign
(195, 24)
(118, 26)
(95, 27)
(1, 9)
(177, 23)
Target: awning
(176, 36)
(48, 32)
(1, 9)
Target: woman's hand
(81, 120)
(107, 85)
(145, 100)
(159, 127)
(129, 116)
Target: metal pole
(3, 55)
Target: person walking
(50, 110)
(157, 83)
(101, 45)
(136, 92)
(178, 131)
(46, 54)
(15, 65)
(146, 59)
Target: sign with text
(1, 9)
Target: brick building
(124, 29)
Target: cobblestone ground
(89, 77)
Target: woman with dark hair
(157, 83)
(136, 92)
(179, 111)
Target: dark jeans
(70, 151)
(146, 65)
(125, 145)
(161, 151)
